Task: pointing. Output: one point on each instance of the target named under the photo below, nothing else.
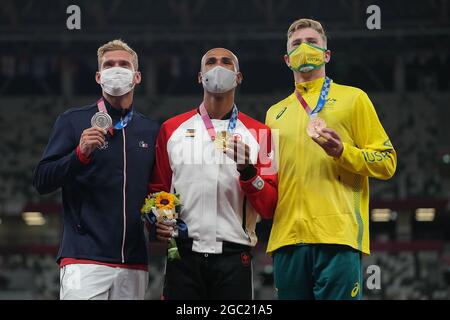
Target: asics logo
(281, 113)
(355, 290)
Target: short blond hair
(113, 45)
(307, 23)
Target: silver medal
(101, 120)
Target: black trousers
(200, 276)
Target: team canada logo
(245, 258)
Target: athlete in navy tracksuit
(103, 252)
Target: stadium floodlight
(33, 218)
(382, 215)
(425, 214)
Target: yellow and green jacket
(322, 199)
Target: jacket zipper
(123, 193)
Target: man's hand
(330, 141)
(164, 231)
(239, 152)
(90, 139)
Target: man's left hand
(330, 141)
(239, 152)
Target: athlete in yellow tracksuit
(321, 224)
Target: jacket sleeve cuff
(255, 184)
(248, 173)
(349, 158)
(81, 157)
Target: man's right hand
(164, 231)
(90, 139)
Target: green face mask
(306, 57)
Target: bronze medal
(315, 125)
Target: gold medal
(221, 140)
(316, 124)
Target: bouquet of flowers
(163, 207)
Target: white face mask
(219, 80)
(117, 81)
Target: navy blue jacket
(101, 199)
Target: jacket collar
(310, 86)
(113, 112)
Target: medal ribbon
(209, 125)
(320, 103)
(123, 121)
